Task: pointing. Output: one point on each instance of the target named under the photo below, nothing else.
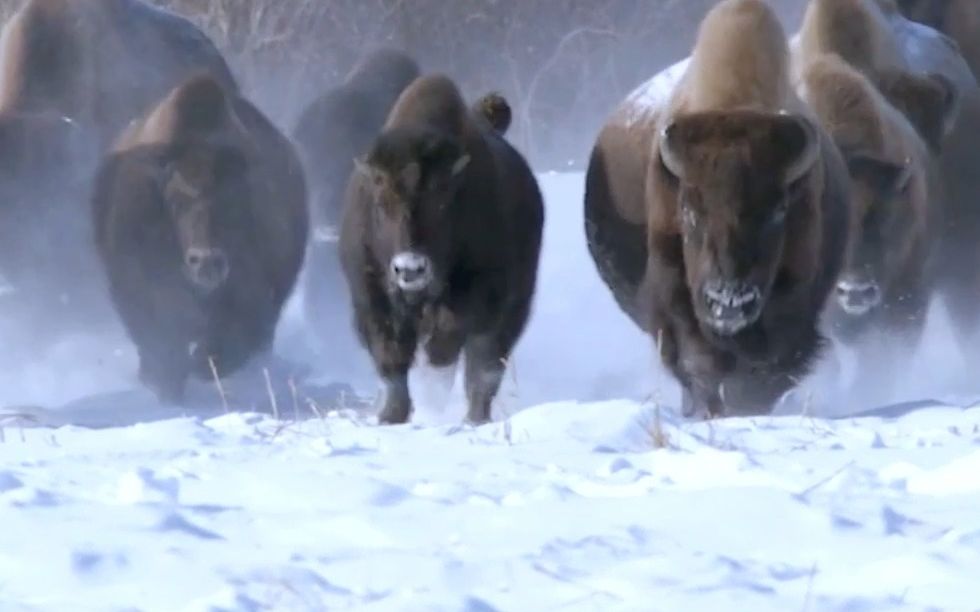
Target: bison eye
(778, 214)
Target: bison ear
(930, 102)
(886, 178)
(797, 141)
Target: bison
(201, 223)
(91, 67)
(906, 48)
(440, 243)
(335, 128)
(719, 215)
(886, 285)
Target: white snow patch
(654, 93)
(611, 506)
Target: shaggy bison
(886, 284)
(335, 128)
(440, 244)
(719, 215)
(847, 27)
(201, 223)
(98, 64)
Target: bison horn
(809, 148)
(668, 151)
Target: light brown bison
(440, 244)
(719, 214)
(201, 223)
(907, 47)
(886, 286)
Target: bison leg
(485, 364)
(697, 372)
(397, 403)
(393, 350)
(963, 305)
(701, 402)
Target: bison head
(205, 193)
(880, 191)
(734, 175)
(412, 178)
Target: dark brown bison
(440, 244)
(719, 215)
(901, 46)
(958, 19)
(886, 286)
(201, 223)
(335, 128)
(98, 64)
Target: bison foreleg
(485, 364)
(392, 347)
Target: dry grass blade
(295, 395)
(272, 394)
(218, 385)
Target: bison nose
(858, 297)
(732, 305)
(411, 271)
(206, 268)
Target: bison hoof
(476, 421)
(395, 413)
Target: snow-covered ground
(586, 493)
(563, 506)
